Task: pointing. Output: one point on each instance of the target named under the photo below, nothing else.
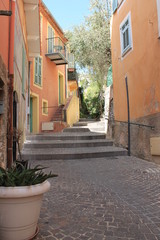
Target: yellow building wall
(141, 65)
(72, 112)
(72, 87)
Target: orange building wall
(141, 64)
(4, 30)
(49, 90)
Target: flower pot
(19, 210)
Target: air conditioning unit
(1, 107)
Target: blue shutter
(114, 5)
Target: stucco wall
(20, 44)
(72, 111)
(49, 90)
(3, 117)
(4, 33)
(141, 65)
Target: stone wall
(3, 117)
(140, 135)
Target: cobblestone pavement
(102, 199)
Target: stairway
(72, 143)
(58, 114)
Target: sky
(68, 13)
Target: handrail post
(128, 111)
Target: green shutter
(49, 39)
(40, 71)
(36, 71)
(114, 5)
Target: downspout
(29, 81)
(10, 85)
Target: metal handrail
(132, 123)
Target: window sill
(37, 85)
(45, 114)
(126, 51)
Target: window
(119, 2)
(38, 71)
(44, 107)
(126, 35)
(50, 39)
(114, 5)
(158, 9)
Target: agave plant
(20, 175)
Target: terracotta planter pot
(19, 210)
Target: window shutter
(40, 71)
(49, 39)
(36, 70)
(114, 5)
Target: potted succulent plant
(21, 192)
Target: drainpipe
(29, 80)
(10, 85)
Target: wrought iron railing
(72, 75)
(56, 45)
(71, 60)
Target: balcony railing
(56, 51)
(71, 60)
(72, 75)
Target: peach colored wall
(4, 33)
(49, 90)
(141, 64)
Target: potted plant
(21, 192)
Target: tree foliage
(90, 43)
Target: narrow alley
(101, 199)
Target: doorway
(15, 118)
(61, 89)
(34, 113)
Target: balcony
(72, 75)
(71, 61)
(56, 51)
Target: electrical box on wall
(1, 107)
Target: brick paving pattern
(102, 199)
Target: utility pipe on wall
(10, 85)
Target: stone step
(72, 153)
(80, 124)
(66, 136)
(76, 129)
(67, 143)
(87, 120)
